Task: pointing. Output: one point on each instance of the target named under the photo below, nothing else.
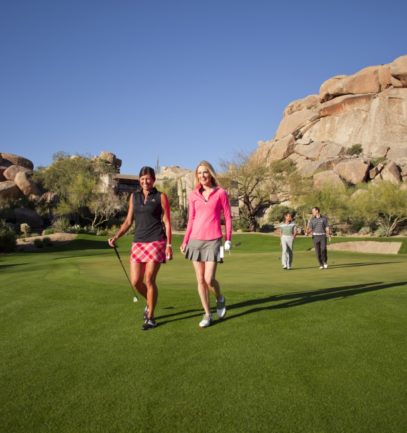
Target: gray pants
(287, 254)
(320, 249)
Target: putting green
(299, 351)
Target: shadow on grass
(303, 298)
(76, 245)
(12, 265)
(290, 300)
(347, 265)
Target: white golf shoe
(206, 321)
(221, 307)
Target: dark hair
(316, 208)
(144, 171)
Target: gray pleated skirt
(203, 251)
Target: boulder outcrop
(7, 159)
(10, 172)
(9, 190)
(26, 185)
(366, 110)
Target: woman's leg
(136, 276)
(150, 275)
(211, 282)
(213, 285)
(284, 252)
(202, 286)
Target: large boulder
(391, 173)
(310, 151)
(9, 190)
(2, 170)
(306, 103)
(111, 159)
(353, 171)
(16, 160)
(295, 121)
(280, 149)
(372, 79)
(399, 69)
(10, 172)
(26, 185)
(327, 178)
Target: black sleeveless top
(148, 217)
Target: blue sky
(179, 80)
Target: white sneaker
(321, 267)
(221, 307)
(206, 321)
(325, 265)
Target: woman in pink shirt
(203, 237)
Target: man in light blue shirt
(288, 232)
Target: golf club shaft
(128, 279)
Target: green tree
(75, 181)
(105, 206)
(332, 200)
(383, 203)
(252, 181)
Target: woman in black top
(150, 210)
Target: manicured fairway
(304, 350)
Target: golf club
(135, 299)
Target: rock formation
(15, 177)
(111, 159)
(366, 110)
(16, 182)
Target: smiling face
(288, 218)
(146, 182)
(204, 176)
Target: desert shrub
(267, 228)
(241, 224)
(277, 213)
(61, 224)
(179, 219)
(8, 238)
(48, 231)
(25, 229)
(355, 149)
(102, 232)
(377, 161)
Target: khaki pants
(287, 254)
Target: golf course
(299, 351)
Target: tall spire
(157, 165)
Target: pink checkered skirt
(144, 252)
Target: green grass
(300, 351)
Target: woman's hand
(168, 252)
(182, 248)
(112, 241)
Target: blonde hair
(211, 170)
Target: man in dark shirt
(318, 226)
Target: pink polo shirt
(204, 216)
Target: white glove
(228, 245)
